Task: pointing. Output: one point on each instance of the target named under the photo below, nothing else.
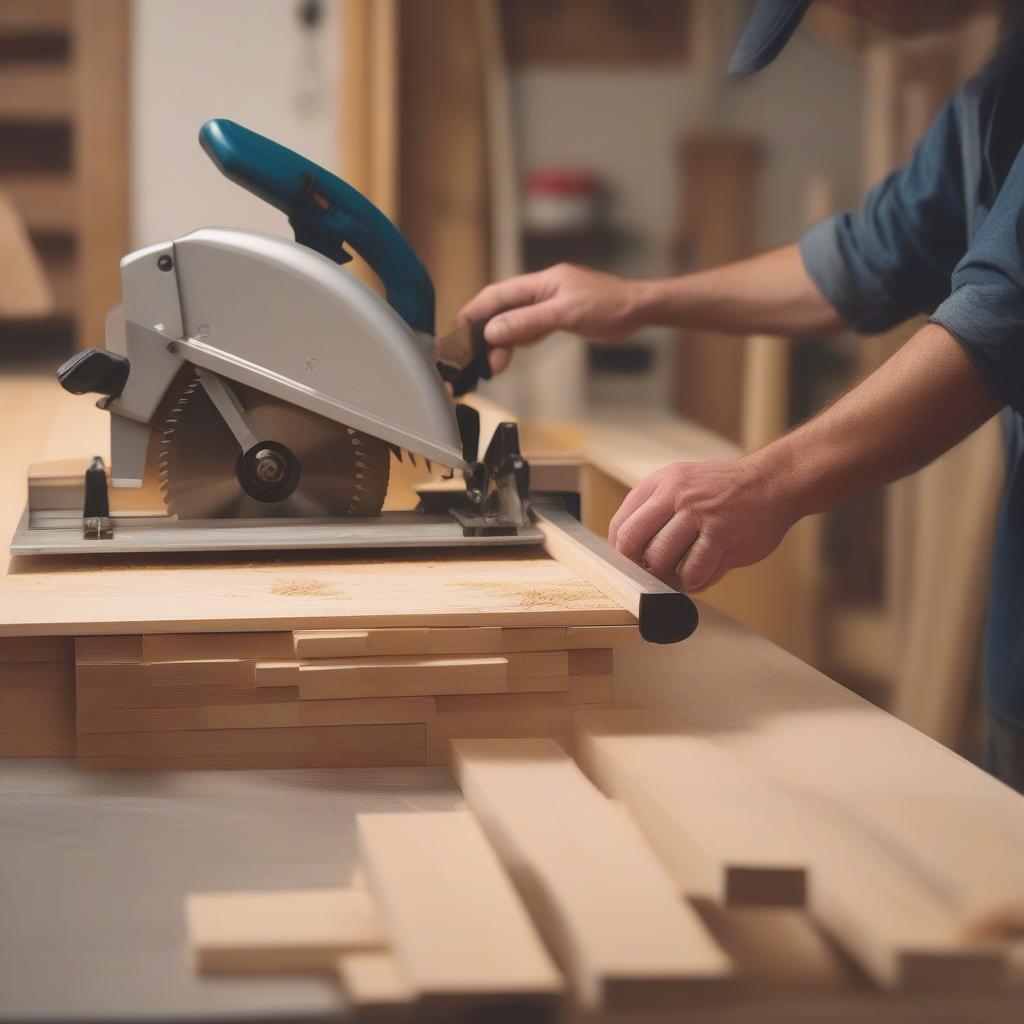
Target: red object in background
(563, 199)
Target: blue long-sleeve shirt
(944, 236)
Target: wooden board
(295, 930)
(402, 677)
(352, 591)
(457, 927)
(373, 983)
(708, 817)
(604, 903)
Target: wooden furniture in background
(24, 290)
(64, 154)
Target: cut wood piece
(193, 646)
(277, 673)
(538, 684)
(101, 650)
(345, 746)
(537, 664)
(296, 930)
(458, 930)
(45, 721)
(553, 723)
(374, 983)
(577, 637)
(533, 638)
(140, 719)
(331, 643)
(503, 701)
(402, 677)
(714, 824)
(29, 745)
(464, 640)
(195, 672)
(366, 711)
(591, 689)
(593, 662)
(37, 694)
(119, 695)
(36, 673)
(37, 648)
(254, 716)
(604, 903)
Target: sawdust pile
(305, 588)
(554, 596)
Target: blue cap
(767, 32)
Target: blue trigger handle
(325, 213)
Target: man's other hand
(523, 310)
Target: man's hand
(691, 522)
(523, 310)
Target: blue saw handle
(325, 213)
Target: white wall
(239, 59)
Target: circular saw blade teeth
(344, 471)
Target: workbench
(95, 867)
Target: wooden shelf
(36, 92)
(46, 202)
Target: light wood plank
(554, 723)
(604, 903)
(201, 672)
(277, 673)
(713, 823)
(465, 934)
(211, 646)
(578, 637)
(366, 711)
(331, 643)
(538, 664)
(536, 638)
(402, 677)
(297, 930)
(374, 983)
(102, 650)
(468, 640)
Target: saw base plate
(56, 533)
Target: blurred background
(505, 135)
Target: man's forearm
(917, 405)
(771, 293)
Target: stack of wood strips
(37, 697)
(332, 698)
(654, 882)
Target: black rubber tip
(667, 618)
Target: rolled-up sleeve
(893, 258)
(984, 310)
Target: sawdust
(305, 588)
(536, 597)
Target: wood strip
(331, 643)
(593, 662)
(298, 930)
(714, 824)
(36, 673)
(604, 903)
(373, 983)
(602, 636)
(99, 650)
(117, 695)
(502, 701)
(346, 746)
(52, 721)
(195, 672)
(538, 664)
(539, 684)
(401, 677)
(37, 648)
(591, 689)
(277, 673)
(490, 948)
(196, 646)
(27, 745)
(366, 711)
(45, 694)
(464, 640)
(254, 716)
(533, 638)
(553, 723)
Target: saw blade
(342, 471)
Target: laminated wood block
(346, 746)
(603, 901)
(594, 662)
(586, 637)
(37, 648)
(194, 672)
(538, 684)
(591, 689)
(296, 930)
(92, 650)
(533, 638)
(55, 721)
(277, 673)
(254, 716)
(713, 823)
(41, 694)
(465, 936)
(553, 722)
(537, 664)
(374, 984)
(498, 702)
(190, 646)
(36, 673)
(123, 696)
(331, 643)
(91, 720)
(29, 745)
(366, 711)
(464, 640)
(402, 677)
